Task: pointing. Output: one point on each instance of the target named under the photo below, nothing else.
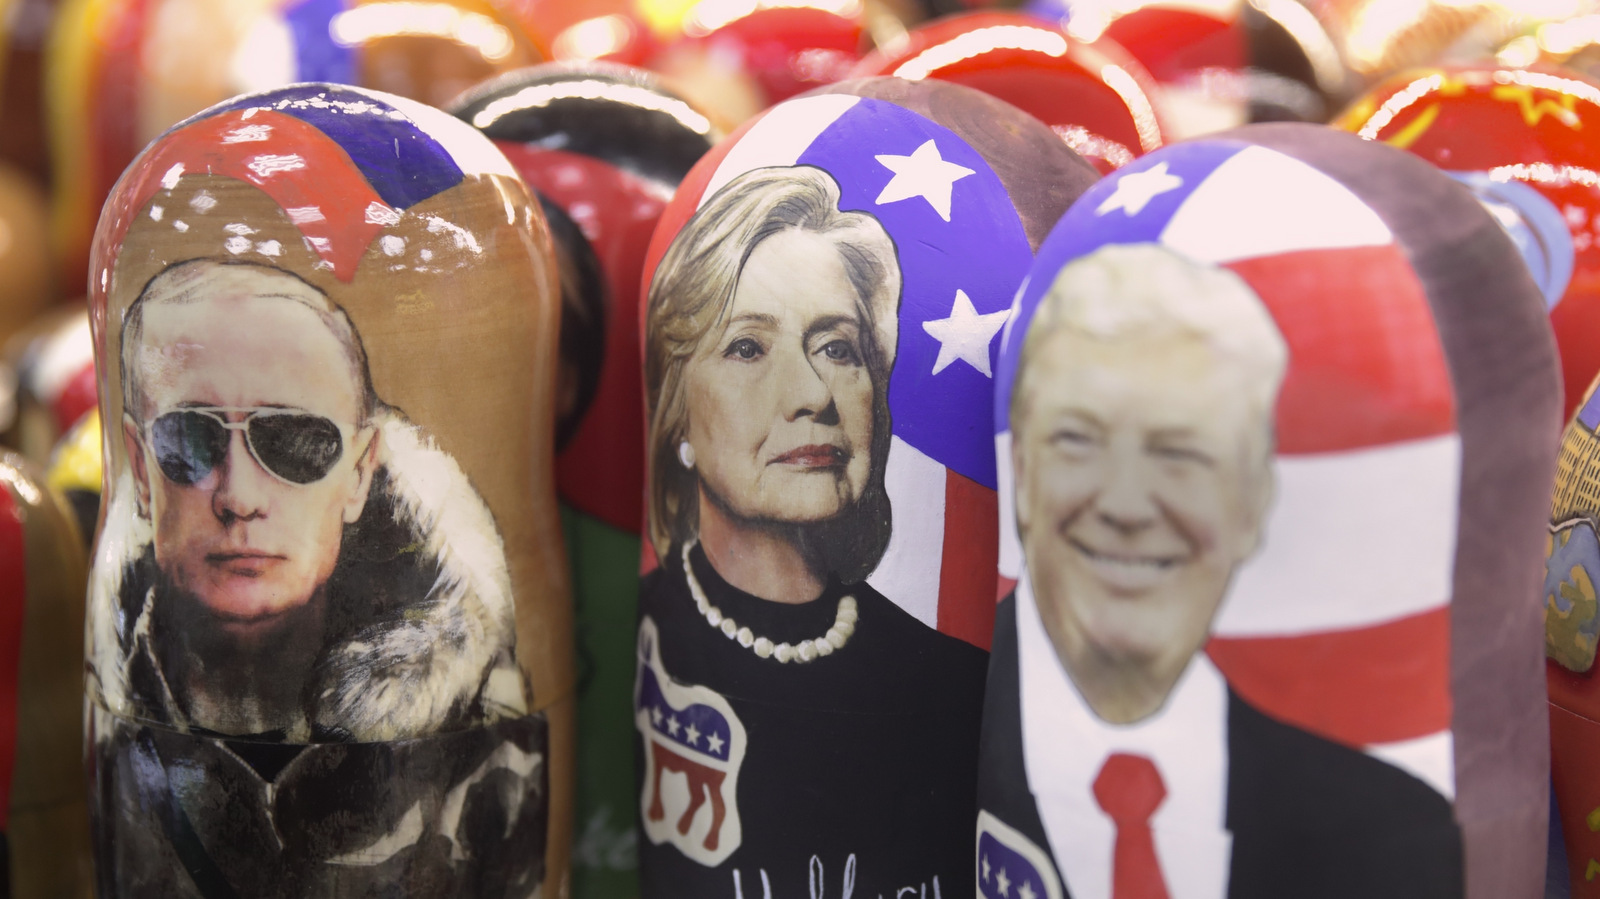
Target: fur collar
(436, 650)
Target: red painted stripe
(77, 397)
(13, 606)
(1367, 368)
(1377, 684)
(328, 180)
(971, 557)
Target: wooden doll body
(1220, 63)
(328, 584)
(1269, 633)
(625, 144)
(44, 836)
(814, 619)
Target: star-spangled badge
(1010, 866)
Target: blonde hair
(692, 292)
(1126, 290)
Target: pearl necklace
(844, 624)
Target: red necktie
(1129, 789)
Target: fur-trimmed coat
(416, 766)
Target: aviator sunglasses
(292, 445)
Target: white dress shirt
(1064, 745)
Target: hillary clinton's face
(780, 399)
(1142, 479)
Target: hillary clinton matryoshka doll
(825, 296)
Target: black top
(1310, 818)
(869, 752)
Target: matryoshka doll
(825, 297)
(1095, 96)
(1272, 414)
(75, 472)
(604, 147)
(1517, 137)
(25, 32)
(1220, 63)
(44, 819)
(1378, 39)
(53, 362)
(1571, 571)
(328, 625)
(735, 59)
(121, 72)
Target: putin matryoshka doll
(1272, 631)
(328, 627)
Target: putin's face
(1142, 478)
(249, 542)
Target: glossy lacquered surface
(121, 72)
(1095, 96)
(1220, 63)
(1523, 140)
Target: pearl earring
(686, 454)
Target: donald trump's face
(249, 453)
(1142, 478)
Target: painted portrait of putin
(278, 493)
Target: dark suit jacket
(1311, 819)
(868, 754)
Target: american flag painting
(1359, 546)
(962, 253)
(694, 746)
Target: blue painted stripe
(403, 163)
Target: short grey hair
(197, 280)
